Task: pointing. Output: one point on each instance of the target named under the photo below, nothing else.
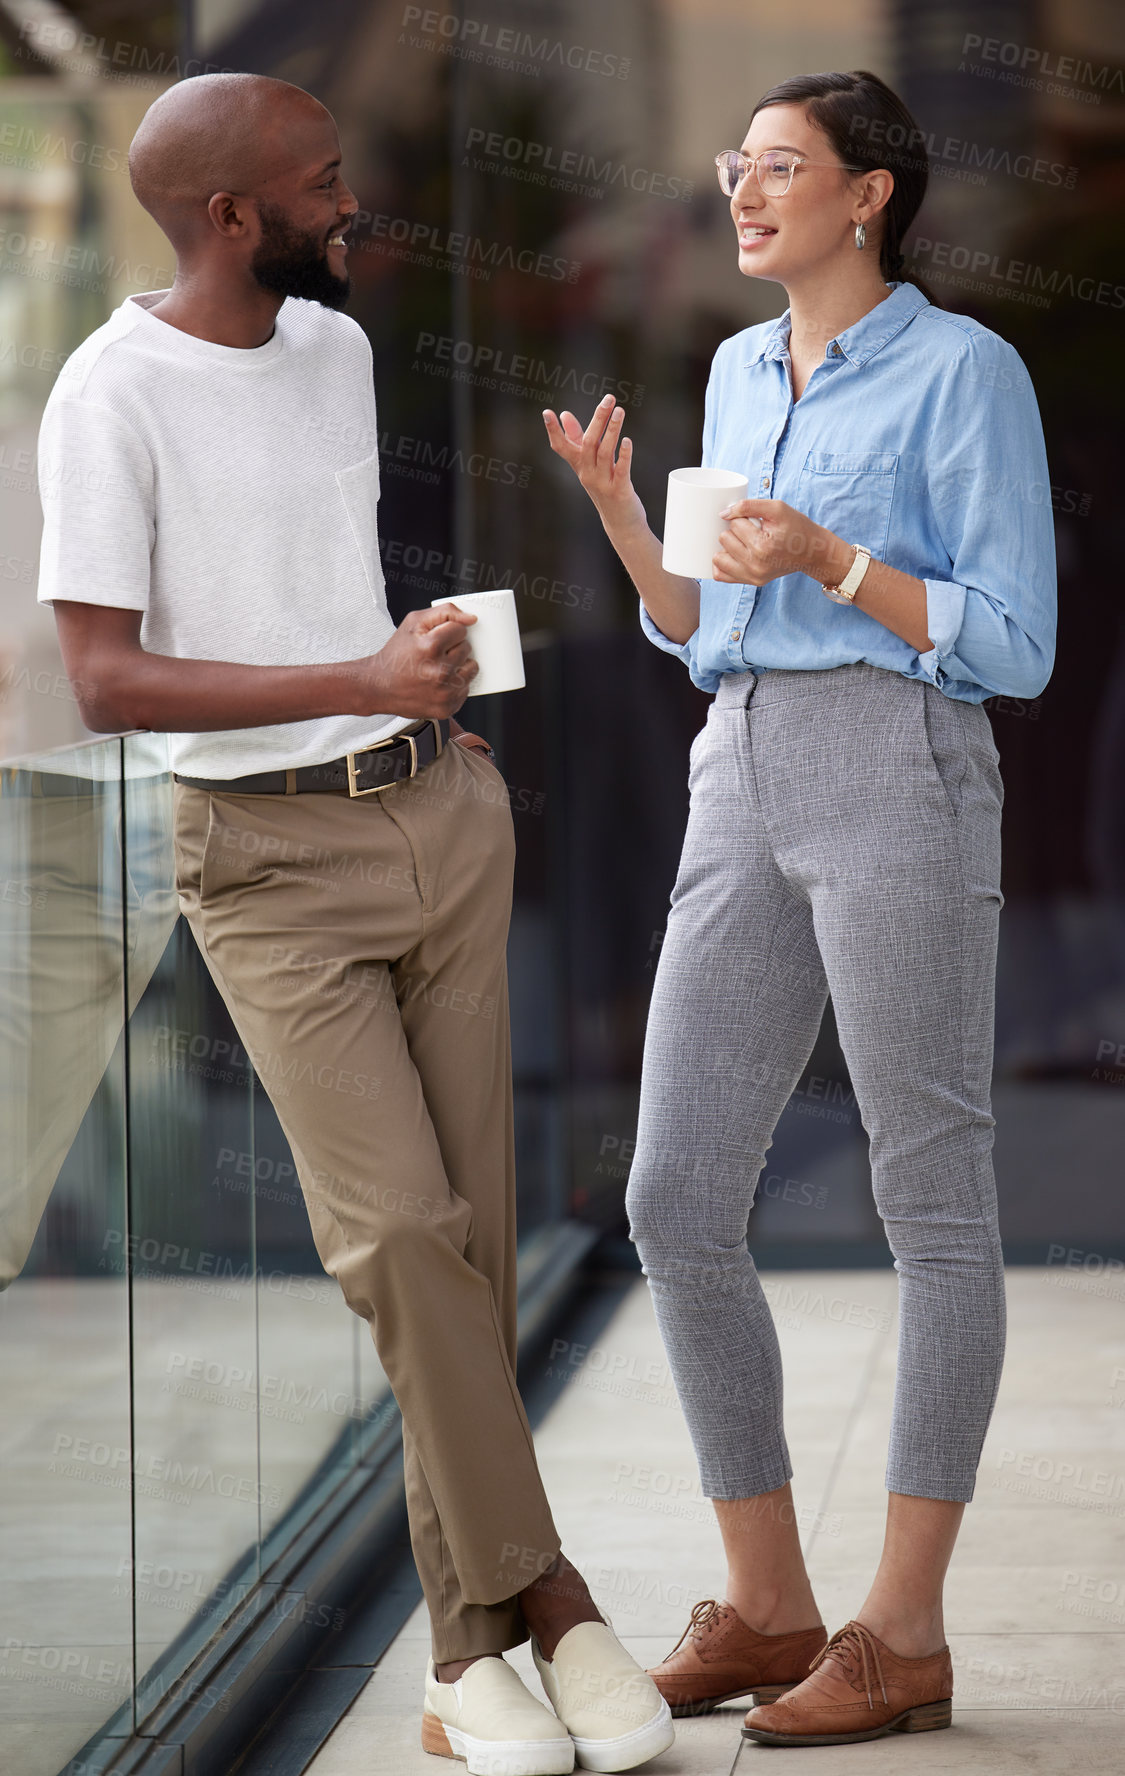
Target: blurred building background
(540, 224)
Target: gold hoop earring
(860, 236)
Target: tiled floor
(1036, 1597)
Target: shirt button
(835, 349)
(735, 634)
(765, 480)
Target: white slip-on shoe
(606, 1701)
(494, 1723)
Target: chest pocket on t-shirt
(359, 490)
(850, 493)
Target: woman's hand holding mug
(766, 538)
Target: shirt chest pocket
(850, 493)
(359, 490)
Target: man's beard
(290, 263)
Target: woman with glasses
(892, 568)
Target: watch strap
(849, 585)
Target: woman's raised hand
(601, 459)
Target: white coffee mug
(494, 639)
(692, 526)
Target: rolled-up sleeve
(993, 620)
(683, 650)
(688, 651)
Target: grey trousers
(843, 838)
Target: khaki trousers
(360, 947)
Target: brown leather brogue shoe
(858, 1689)
(723, 1658)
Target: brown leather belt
(364, 772)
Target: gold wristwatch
(845, 592)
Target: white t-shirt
(231, 496)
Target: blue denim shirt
(919, 435)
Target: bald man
(344, 851)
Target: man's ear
(230, 214)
